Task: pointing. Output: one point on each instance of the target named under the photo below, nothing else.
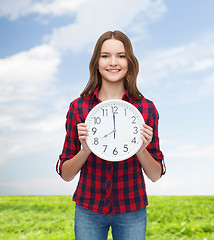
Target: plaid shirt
(109, 187)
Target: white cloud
(96, 17)
(190, 58)
(155, 9)
(1, 161)
(26, 74)
(27, 88)
(207, 87)
(181, 149)
(24, 138)
(93, 17)
(57, 7)
(189, 170)
(183, 73)
(22, 122)
(14, 9)
(191, 151)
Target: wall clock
(114, 130)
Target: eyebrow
(109, 53)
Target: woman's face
(113, 64)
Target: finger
(82, 138)
(82, 129)
(147, 132)
(146, 137)
(83, 135)
(81, 126)
(145, 141)
(82, 132)
(147, 127)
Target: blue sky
(45, 49)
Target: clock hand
(114, 130)
(114, 124)
(108, 134)
(114, 119)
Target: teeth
(113, 70)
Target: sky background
(45, 49)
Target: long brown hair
(95, 79)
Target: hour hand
(108, 134)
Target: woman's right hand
(71, 167)
(82, 135)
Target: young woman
(110, 193)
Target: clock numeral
(94, 130)
(125, 111)
(105, 112)
(97, 120)
(125, 148)
(105, 147)
(135, 130)
(115, 152)
(134, 140)
(114, 109)
(96, 141)
(134, 120)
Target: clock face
(114, 130)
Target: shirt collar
(96, 92)
(126, 96)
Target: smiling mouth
(113, 70)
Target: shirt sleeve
(154, 146)
(71, 144)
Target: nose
(113, 61)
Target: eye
(122, 56)
(104, 56)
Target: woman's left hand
(146, 136)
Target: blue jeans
(94, 226)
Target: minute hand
(114, 124)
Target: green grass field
(52, 217)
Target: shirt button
(108, 185)
(107, 201)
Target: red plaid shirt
(109, 187)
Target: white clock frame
(114, 130)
